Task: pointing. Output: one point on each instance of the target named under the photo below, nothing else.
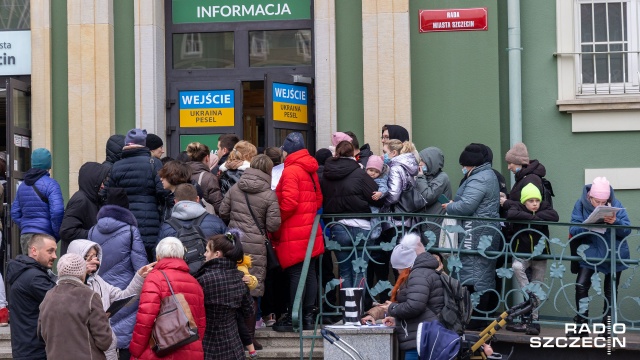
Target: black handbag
(411, 201)
(272, 258)
(174, 326)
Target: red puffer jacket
(300, 198)
(155, 289)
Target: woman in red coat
(300, 198)
(169, 252)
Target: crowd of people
(202, 226)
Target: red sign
(453, 20)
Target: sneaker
(533, 329)
(4, 317)
(519, 327)
(260, 324)
(269, 320)
(284, 324)
(252, 356)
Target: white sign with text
(15, 52)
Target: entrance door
(289, 108)
(18, 119)
(202, 111)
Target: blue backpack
(436, 342)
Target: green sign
(209, 11)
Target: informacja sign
(211, 11)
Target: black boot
(579, 320)
(283, 324)
(309, 318)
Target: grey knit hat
(518, 155)
(293, 143)
(136, 137)
(404, 254)
(72, 265)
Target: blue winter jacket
(32, 214)
(137, 173)
(122, 255)
(597, 247)
(478, 196)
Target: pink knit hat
(375, 162)
(600, 188)
(337, 137)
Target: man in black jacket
(30, 278)
(82, 209)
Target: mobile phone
(443, 199)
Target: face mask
(518, 170)
(386, 158)
(424, 169)
(465, 171)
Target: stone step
(5, 352)
(286, 353)
(270, 338)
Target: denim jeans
(346, 236)
(411, 355)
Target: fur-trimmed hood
(112, 217)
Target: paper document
(598, 214)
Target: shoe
(4, 317)
(283, 324)
(257, 345)
(252, 356)
(533, 329)
(260, 324)
(269, 320)
(309, 321)
(518, 327)
(578, 320)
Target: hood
(586, 204)
(302, 159)
(187, 210)
(20, 264)
(433, 158)
(407, 161)
(425, 260)
(235, 165)
(90, 178)
(197, 166)
(111, 218)
(365, 151)
(114, 148)
(136, 151)
(254, 181)
(32, 175)
(82, 246)
(398, 132)
(534, 167)
(339, 168)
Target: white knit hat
(404, 254)
(72, 265)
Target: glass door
(202, 111)
(18, 118)
(289, 108)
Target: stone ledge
(616, 103)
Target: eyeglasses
(384, 138)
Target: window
(280, 48)
(607, 47)
(193, 51)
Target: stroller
(435, 342)
(472, 345)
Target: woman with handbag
(252, 206)
(225, 294)
(170, 278)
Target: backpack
(193, 239)
(228, 179)
(456, 313)
(435, 342)
(547, 191)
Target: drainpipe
(515, 92)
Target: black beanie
(154, 141)
(473, 155)
(117, 196)
(322, 155)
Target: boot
(283, 324)
(309, 318)
(578, 320)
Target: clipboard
(119, 304)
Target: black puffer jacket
(137, 173)
(346, 187)
(29, 283)
(82, 209)
(419, 299)
(531, 174)
(364, 155)
(114, 150)
(525, 241)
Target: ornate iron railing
(557, 291)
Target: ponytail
(228, 244)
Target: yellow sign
(290, 112)
(207, 108)
(289, 103)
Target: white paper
(598, 215)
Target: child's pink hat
(338, 137)
(375, 162)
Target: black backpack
(547, 191)
(456, 313)
(193, 240)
